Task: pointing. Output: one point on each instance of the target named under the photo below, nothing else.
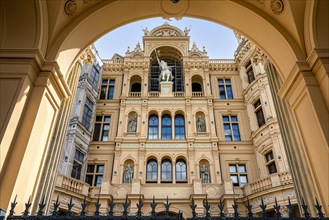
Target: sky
(219, 41)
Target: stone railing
(72, 184)
(112, 61)
(215, 61)
(197, 94)
(134, 94)
(154, 94)
(178, 94)
(274, 180)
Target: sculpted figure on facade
(204, 173)
(200, 124)
(165, 75)
(132, 124)
(128, 174)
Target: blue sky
(218, 40)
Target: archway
(62, 37)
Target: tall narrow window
(166, 127)
(179, 127)
(77, 164)
(152, 171)
(87, 113)
(259, 113)
(102, 128)
(153, 127)
(270, 162)
(225, 89)
(107, 90)
(166, 171)
(181, 171)
(94, 174)
(250, 72)
(238, 174)
(94, 77)
(231, 128)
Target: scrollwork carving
(70, 7)
(277, 6)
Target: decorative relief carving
(277, 6)
(166, 102)
(289, 194)
(203, 145)
(211, 191)
(125, 145)
(173, 10)
(165, 145)
(70, 7)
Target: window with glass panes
(181, 172)
(153, 127)
(225, 89)
(270, 162)
(250, 72)
(77, 164)
(238, 173)
(166, 171)
(87, 113)
(259, 113)
(102, 128)
(166, 127)
(231, 128)
(107, 89)
(94, 77)
(179, 127)
(152, 171)
(94, 174)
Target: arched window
(179, 127)
(166, 171)
(152, 171)
(153, 127)
(136, 87)
(166, 127)
(181, 171)
(196, 87)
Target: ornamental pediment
(165, 30)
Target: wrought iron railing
(166, 215)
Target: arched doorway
(60, 37)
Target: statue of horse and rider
(165, 75)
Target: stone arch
(65, 43)
(135, 82)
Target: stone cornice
(40, 65)
(290, 82)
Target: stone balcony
(270, 182)
(72, 185)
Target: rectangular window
(94, 77)
(225, 89)
(77, 164)
(270, 162)
(94, 174)
(231, 128)
(102, 128)
(259, 113)
(107, 89)
(250, 72)
(87, 113)
(238, 173)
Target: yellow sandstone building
(253, 127)
(168, 121)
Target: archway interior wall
(221, 12)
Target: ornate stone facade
(203, 137)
